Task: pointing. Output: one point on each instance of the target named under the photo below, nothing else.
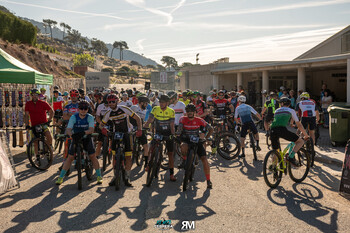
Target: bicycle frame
(282, 154)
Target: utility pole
(197, 58)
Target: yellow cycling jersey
(186, 102)
(163, 119)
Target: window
(345, 43)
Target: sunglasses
(73, 95)
(86, 108)
(220, 95)
(111, 102)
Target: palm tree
(65, 26)
(115, 45)
(50, 23)
(122, 45)
(74, 37)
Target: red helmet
(112, 97)
(74, 93)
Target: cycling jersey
(42, 97)
(37, 111)
(57, 103)
(71, 108)
(149, 110)
(307, 108)
(101, 110)
(120, 118)
(244, 112)
(179, 109)
(127, 103)
(187, 101)
(192, 127)
(271, 106)
(221, 106)
(282, 117)
(140, 112)
(163, 119)
(200, 107)
(79, 125)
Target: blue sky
(243, 30)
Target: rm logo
(188, 225)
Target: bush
(110, 70)
(83, 60)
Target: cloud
(64, 10)
(272, 9)
(139, 44)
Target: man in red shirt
(36, 109)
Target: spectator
(324, 87)
(326, 101)
(284, 94)
(233, 99)
(292, 99)
(280, 93)
(298, 98)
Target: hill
(127, 54)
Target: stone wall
(66, 84)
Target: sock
(171, 171)
(127, 175)
(63, 173)
(292, 154)
(98, 172)
(207, 176)
(257, 143)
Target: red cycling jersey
(192, 127)
(221, 106)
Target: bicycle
(275, 164)
(309, 146)
(252, 140)
(156, 159)
(39, 153)
(106, 151)
(119, 158)
(137, 152)
(59, 142)
(83, 161)
(191, 161)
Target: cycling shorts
(281, 132)
(87, 145)
(200, 147)
(269, 118)
(43, 129)
(248, 125)
(169, 144)
(309, 121)
(58, 114)
(127, 143)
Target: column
(265, 80)
(348, 81)
(239, 80)
(215, 82)
(301, 79)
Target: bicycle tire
(104, 153)
(224, 151)
(303, 157)
(252, 144)
(88, 169)
(139, 155)
(268, 140)
(60, 147)
(164, 163)
(152, 166)
(188, 170)
(79, 168)
(117, 169)
(274, 168)
(57, 143)
(309, 145)
(46, 152)
(193, 169)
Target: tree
(186, 64)
(50, 23)
(151, 67)
(121, 45)
(65, 26)
(99, 47)
(84, 43)
(133, 73)
(125, 68)
(115, 45)
(73, 37)
(169, 62)
(83, 60)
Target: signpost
(96, 80)
(345, 177)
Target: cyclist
(72, 107)
(185, 97)
(222, 105)
(100, 112)
(82, 96)
(308, 113)
(125, 101)
(141, 109)
(58, 108)
(279, 129)
(244, 112)
(201, 107)
(81, 124)
(178, 106)
(119, 115)
(164, 118)
(37, 110)
(269, 109)
(191, 126)
(65, 98)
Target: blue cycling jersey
(71, 108)
(80, 125)
(149, 110)
(244, 112)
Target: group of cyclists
(175, 115)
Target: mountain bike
(106, 151)
(275, 164)
(137, 152)
(59, 142)
(252, 140)
(119, 158)
(39, 153)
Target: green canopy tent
(14, 71)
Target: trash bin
(339, 124)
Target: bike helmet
(125, 95)
(164, 98)
(143, 99)
(285, 100)
(74, 93)
(56, 87)
(34, 91)
(272, 94)
(138, 94)
(190, 108)
(107, 91)
(264, 92)
(42, 89)
(105, 99)
(305, 95)
(112, 97)
(221, 91)
(242, 99)
(98, 95)
(65, 93)
(55, 91)
(172, 95)
(81, 91)
(83, 104)
(282, 88)
(196, 93)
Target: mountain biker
(191, 126)
(119, 116)
(244, 112)
(42, 95)
(100, 112)
(164, 118)
(279, 129)
(178, 106)
(222, 105)
(125, 101)
(81, 124)
(57, 105)
(201, 107)
(269, 109)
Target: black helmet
(190, 108)
(55, 91)
(143, 99)
(285, 101)
(105, 99)
(34, 91)
(172, 94)
(81, 91)
(164, 98)
(55, 87)
(83, 104)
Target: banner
(345, 177)
(163, 77)
(96, 80)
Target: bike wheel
(268, 140)
(104, 153)
(118, 172)
(152, 166)
(88, 169)
(79, 168)
(272, 169)
(57, 143)
(139, 155)
(252, 144)
(309, 145)
(193, 169)
(188, 170)
(43, 159)
(61, 145)
(298, 174)
(165, 160)
(228, 145)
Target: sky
(243, 30)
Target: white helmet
(107, 91)
(282, 88)
(264, 92)
(242, 99)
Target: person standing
(326, 101)
(292, 99)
